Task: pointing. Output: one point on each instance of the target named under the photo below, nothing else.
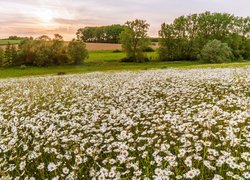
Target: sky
(38, 17)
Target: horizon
(37, 17)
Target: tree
(1, 56)
(167, 43)
(187, 35)
(8, 56)
(134, 39)
(102, 34)
(42, 54)
(27, 52)
(44, 38)
(86, 34)
(58, 50)
(14, 54)
(112, 33)
(216, 52)
(77, 51)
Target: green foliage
(59, 51)
(43, 53)
(77, 51)
(27, 52)
(10, 55)
(7, 55)
(46, 52)
(216, 52)
(1, 56)
(148, 49)
(134, 40)
(103, 34)
(187, 35)
(18, 38)
(44, 38)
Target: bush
(127, 60)
(42, 52)
(148, 49)
(77, 52)
(22, 67)
(133, 60)
(216, 52)
(117, 51)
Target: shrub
(148, 49)
(77, 51)
(117, 51)
(127, 60)
(22, 67)
(216, 52)
(43, 52)
(130, 59)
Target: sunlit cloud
(36, 17)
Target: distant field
(5, 42)
(102, 46)
(110, 56)
(106, 46)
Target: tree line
(103, 34)
(187, 35)
(191, 37)
(209, 37)
(18, 38)
(43, 51)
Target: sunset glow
(33, 18)
(45, 16)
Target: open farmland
(107, 46)
(5, 42)
(102, 46)
(161, 124)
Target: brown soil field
(107, 46)
(102, 46)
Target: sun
(45, 16)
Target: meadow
(5, 42)
(154, 124)
(107, 60)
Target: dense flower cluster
(159, 124)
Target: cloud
(31, 17)
(84, 22)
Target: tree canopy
(135, 39)
(103, 34)
(187, 35)
(44, 51)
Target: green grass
(110, 56)
(109, 61)
(5, 42)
